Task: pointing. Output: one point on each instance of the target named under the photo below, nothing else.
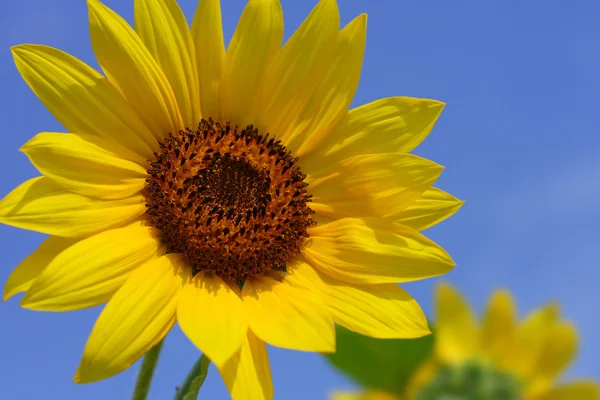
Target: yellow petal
(40, 205)
(368, 395)
(390, 125)
(384, 311)
(558, 352)
(376, 185)
(424, 374)
(298, 69)
(138, 316)
(81, 99)
(499, 324)
(370, 251)
(207, 32)
(255, 42)
(30, 268)
(578, 390)
(329, 104)
(247, 374)
(164, 30)
(212, 316)
(456, 328)
(132, 69)
(288, 316)
(302, 275)
(529, 341)
(348, 396)
(89, 272)
(86, 164)
(431, 208)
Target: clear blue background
(519, 138)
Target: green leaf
(384, 364)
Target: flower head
(498, 358)
(230, 191)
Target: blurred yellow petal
(207, 32)
(425, 373)
(255, 42)
(529, 341)
(212, 316)
(138, 316)
(578, 390)
(371, 251)
(384, 311)
(499, 324)
(30, 268)
(558, 352)
(376, 185)
(85, 164)
(132, 69)
(288, 316)
(347, 396)
(90, 271)
(329, 104)
(164, 30)
(247, 374)
(41, 205)
(368, 395)
(81, 99)
(455, 325)
(432, 207)
(390, 125)
(298, 69)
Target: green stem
(194, 380)
(142, 386)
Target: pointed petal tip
(554, 307)
(360, 21)
(95, 7)
(16, 49)
(444, 287)
(31, 304)
(7, 295)
(25, 302)
(501, 291)
(83, 377)
(9, 292)
(363, 19)
(77, 377)
(332, 5)
(449, 262)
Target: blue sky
(519, 140)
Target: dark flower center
(232, 201)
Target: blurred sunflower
(499, 360)
(229, 191)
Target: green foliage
(384, 364)
(472, 380)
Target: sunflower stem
(194, 380)
(144, 379)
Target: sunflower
(499, 359)
(230, 191)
